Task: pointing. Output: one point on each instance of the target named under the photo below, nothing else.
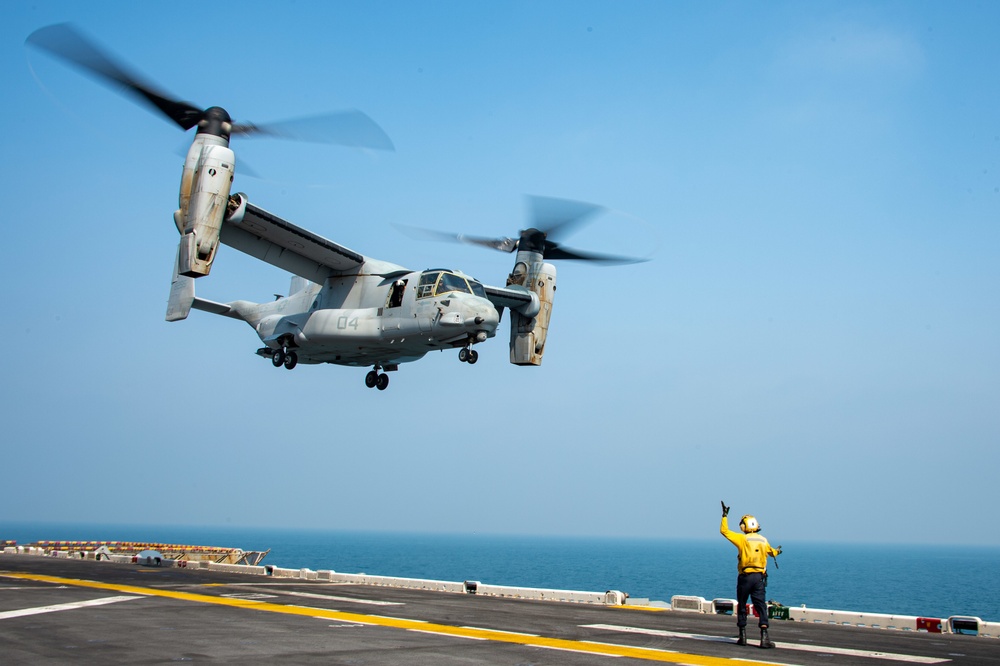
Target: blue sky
(815, 340)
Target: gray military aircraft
(343, 307)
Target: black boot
(765, 640)
(742, 640)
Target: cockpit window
(427, 282)
(439, 282)
(477, 288)
(452, 282)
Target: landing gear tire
(291, 360)
(473, 356)
(375, 379)
(463, 355)
(278, 358)
(466, 355)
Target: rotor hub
(216, 121)
(532, 240)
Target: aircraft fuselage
(375, 319)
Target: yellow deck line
(648, 654)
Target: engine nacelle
(236, 208)
(528, 333)
(204, 195)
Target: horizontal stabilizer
(182, 299)
(216, 308)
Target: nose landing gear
(467, 355)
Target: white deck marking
(313, 595)
(251, 596)
(913, 659)
(6, 615)
(500, 631)
(439, 634)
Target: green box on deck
(777, 612)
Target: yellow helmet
(749, 524)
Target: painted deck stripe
(6, 615)
(501, 631)
(434, 633)
(330, 597)
(581, 650)
(647, 654)
(311, 595)
(913, 659)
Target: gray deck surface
(56, 611)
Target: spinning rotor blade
(559, 217)
(501, 244)
(556, 218)
(553, 251)
(63, 41)
(347, 128)
(549, 217)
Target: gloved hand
(778, 549)
(725, 509)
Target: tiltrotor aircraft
(343, 307)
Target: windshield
(439, 282)
(452, 282)
(477, 288)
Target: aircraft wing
(515, 298)
(267, 237)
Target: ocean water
(924, 580)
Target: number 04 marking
(347, 322)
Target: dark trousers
(754, 586)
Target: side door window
(396, 294)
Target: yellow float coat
(753, 549)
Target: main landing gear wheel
(469, 356)
(289, 359)
(375, 379)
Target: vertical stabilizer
(181, 298)
(298, 284)
(181, 295)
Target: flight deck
(60, 610)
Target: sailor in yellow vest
(752, 581)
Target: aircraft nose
(485, 317)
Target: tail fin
(297, 285)
(181, 295)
